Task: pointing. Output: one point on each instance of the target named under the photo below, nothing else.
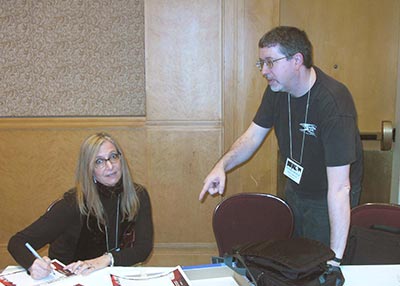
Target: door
(359, 46)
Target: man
(315, 123)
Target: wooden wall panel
(179, 159)
(245, 22)
(183, 108)
(183, 60)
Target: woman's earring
(94, 180)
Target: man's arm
(243, 148)
(339, 206)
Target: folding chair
(374, 236)
(370, 214)
(250, 217)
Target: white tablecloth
(355, 275)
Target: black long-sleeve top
(66, 230)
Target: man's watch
(338, 260)
(109, 254)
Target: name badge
(293, 170)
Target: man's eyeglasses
(269, 62)
(100, 163)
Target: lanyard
(116, 229)
(290, 126)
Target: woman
(104, 220)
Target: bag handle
(331, 269)
(387, 228)
(232, 262)
(245, 270)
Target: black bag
(289, 262)
(376, 245)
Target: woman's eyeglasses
(100, 162)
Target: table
(355, 275)
(374, 275)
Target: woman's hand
(40, 268)
(88, 266)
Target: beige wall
(202, 90)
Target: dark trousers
(311, 218)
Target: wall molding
(163, 245)
(70, 122)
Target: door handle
(386, 135)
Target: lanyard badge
(293, 170)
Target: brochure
(174, 277)
(17, 275)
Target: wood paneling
(179, 158)
(183, 60)
(244, 24)
(378, 171)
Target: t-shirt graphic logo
(308, 129)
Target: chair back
(370, 214)
(374, 236)
(250, 217)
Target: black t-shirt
(331, 136)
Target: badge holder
(293, 170)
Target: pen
(33, 251)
